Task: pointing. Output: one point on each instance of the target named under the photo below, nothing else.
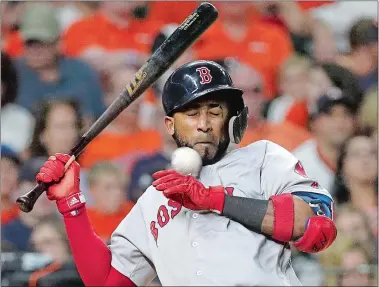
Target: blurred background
(310, 75)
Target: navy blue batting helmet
(199, 78)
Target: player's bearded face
(203, 127)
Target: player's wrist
(72, 204)
(217, 199)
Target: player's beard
(207, 157)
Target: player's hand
(65, 185)
(189, 192)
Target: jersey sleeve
(282, 172)
(129, 246)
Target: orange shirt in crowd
(163, 10)
(264, 48)
(97, 31)
(8, 215)
(116, 147)
(105, 224)
(284, 134)
(298, 114)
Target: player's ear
(170, 126)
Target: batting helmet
(199, 78)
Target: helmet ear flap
(238, 125)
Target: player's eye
(215, 111)
(192, 113)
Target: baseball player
(231, 225)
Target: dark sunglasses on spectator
(34, 42)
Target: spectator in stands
(49, 239)
(368, 114)
(356, 177)
(10, 164)
(285, 134)
(128, 141)
(368, 111)
(337, 258)
(363, 57)
(329, 75)
(107, 184)
(356, 269)
(254, 42)
(319, 84)
(345, 80)
(310, 36)
(292, 104)
(17, 231)
(112, 37)
(17, 123)
(332, 123)
(68, 12)
(11, 14)
(353, 223)
(58, 127)
(45, 73)
(339, 16)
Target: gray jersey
(184, 247)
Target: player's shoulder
(258, 151)
(264, 147)
(306, 147)
(253, 150)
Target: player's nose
(203, 123)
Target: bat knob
(24, 203)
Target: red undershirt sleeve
(91, 255)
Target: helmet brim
(235, 95)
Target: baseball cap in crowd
(345, 80)
(40, 23)
(7, 152)
(30, 168)
(333, 97)
(363, 32)
(162, 35)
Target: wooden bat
(170, 50)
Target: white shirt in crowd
(341, 15)
(17, 125)
(314, 165)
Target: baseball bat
(170, 50)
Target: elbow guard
(319, 234)
(320, 231)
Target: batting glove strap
(70, 206)
(217, 199)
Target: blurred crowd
(309, 71)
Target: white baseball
(186, 161)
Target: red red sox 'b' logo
(205, 75)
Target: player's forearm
(91, 255)
(258, 215)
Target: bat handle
(26, 202)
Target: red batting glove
(189, 192)
(65, 190)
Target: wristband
(217, 199)
(71, 205)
